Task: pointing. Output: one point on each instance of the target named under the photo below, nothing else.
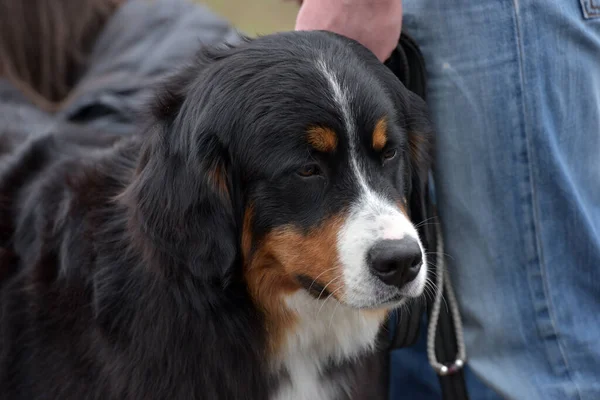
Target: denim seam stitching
(538, 245)
(590, 9)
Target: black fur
(120, 265)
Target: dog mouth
(391, 302)
(392, 299)
(314, 288)
(321, 292)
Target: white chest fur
(326, 331)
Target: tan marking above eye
(322, 139)
(380, 134)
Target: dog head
(287, 161)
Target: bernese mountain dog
(248, 243)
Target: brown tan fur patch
(403, 204)
(219, 180)
(419, 148)
(380, 135)
(247, 233)
(278, 258)
(322, 139)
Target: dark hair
(44, 44)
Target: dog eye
(309, 170)
(389, 154)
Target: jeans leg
(514, 91)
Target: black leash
(446, 351)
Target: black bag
(408, 64)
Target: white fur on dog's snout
(371, 219)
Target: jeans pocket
(590, 8)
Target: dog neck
(323, 333)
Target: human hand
(376, 24)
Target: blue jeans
(514, 91)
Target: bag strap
(445, 339)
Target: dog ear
(408, 90)
(419, 156)
(413, 117)
(180, 200)
(182, 209)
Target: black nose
(395, 262)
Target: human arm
(376, 24)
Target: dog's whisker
(328, 283)
(429, 291)
(333, 313)
(438, 254)
(427, 222)
(325, 301)
(318, 276)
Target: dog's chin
(392, 303)
(389, 302)
(381, 296)
(376, 296)
(382, 301)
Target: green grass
(256, 16)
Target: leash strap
(445, 346)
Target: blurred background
(254, 17)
